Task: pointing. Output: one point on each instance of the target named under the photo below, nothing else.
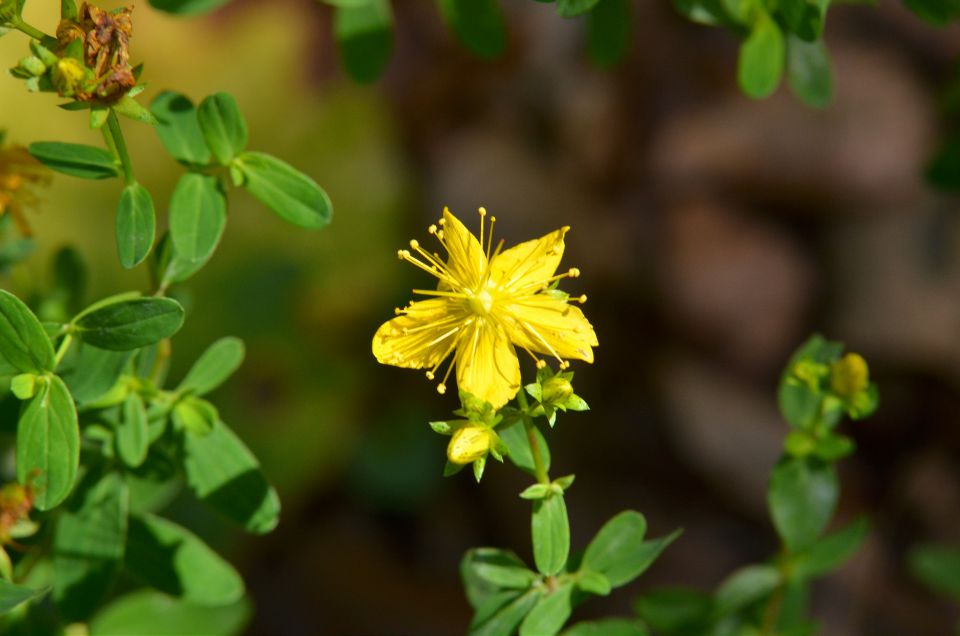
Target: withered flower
(104, 41)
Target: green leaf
(364, 35)
(478, 24)
(213, 368)
(504, 618)
(518, 445)
(938, 567)
(619, 551)
(195, 416)
(802, 497)
(709, 12)
(173, 560)
(132, 437)
(292, 195)
(573, 8)
(136, 225)
(198, 216)
(130, 324)
(808, 72)
(762, 59)
(68, 10)
(608, 627)
(88, 544)
(499, 569)
(593, 582)
(223, 127)
(187, 7)
(830, 552)
(23, 342)
(677, 612)
(608, 32)
(132, 109)
(148, 613)
(13, 595)
(551, 534)
(745, 587)
(179, 130)
(90, 372)
(549, 614)
(224, 473)
(937, 12)
(48, 444)
(76, 160)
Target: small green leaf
(76, 160)
(130, 324)
(213, 368)
(938, 567)
(198, 216)
(364, 35)
(808, 72)
(13, 595)
(90, 372)
(88, 544)
(762, 58)
(24, 386)
(136, 225)
(173, 560)
(48, 443)
(223, 127)
(132, 109)
(518, 445)
(608, 32)
(802, 497)
(619, 551)
(676, 611)
(573, 8)
(148, 613)
(478, 24)
(179, 130)
(608, 627)
(503, 617)
(593, 582)
(292, 195)
(195, 416)
(937, 12)
(745, 587)
(23, 342)
(536, 491)
(224, 473)
(499, 569)
(132, 437)
(549, 614)
(551, 534)
(830, 552)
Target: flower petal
(421, 337)
(487, 364)
(528, 264)
(550, 325)
(466, 260)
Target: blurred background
(714, 234)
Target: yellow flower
(484, 306)
(17, 171)
(849, 375)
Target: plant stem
(531, 428)
(113, 135)
(772, 613)
(62, 349)
(30, 30)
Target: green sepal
(536, 491)
(132, 109)
(24, 386)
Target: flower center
(481, 302)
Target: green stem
(62, 349)
(30, 30)
(539, 467)
(113, 135)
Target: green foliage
(23, 342)
(48, 443)
(364, 32)
(136, 225)
(938, 568)
(223, 127)
(198, 216)
(76, 160)
(478, 24)
(293, 196)
(179, 129)
(148, 613)
(129, 323)
(551, 534)
(803, 495)
(12, 595)
(187, 7)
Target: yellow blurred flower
(485, 305)
(849, 375)
(18, 170)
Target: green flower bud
(557, 390)
(849, 376)
(469, 443)
(32, 66)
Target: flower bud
(557, 390)
(849, 376)
(468, 444)
(68, 76)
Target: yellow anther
(432, 229)
(582, 299)
(482, 211)
(402, 254)
(541, 364)
(414, 243)
(430, 375)
(574, 272)
(441, 388)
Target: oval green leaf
(222, 472)
(48, 444)
(364, 33)
(292, 195)
(130, 324)
(213, 368)
(478, 24)
(76, 160)
(23, 342)
(762, 58)
(551, 534)
(148, 613)
(173, 560)
(550, 613)
(132, 437)
(802, 497)
(198, 215)
(223, 126)
(179, 130)
(187, 7)
(136, 225)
